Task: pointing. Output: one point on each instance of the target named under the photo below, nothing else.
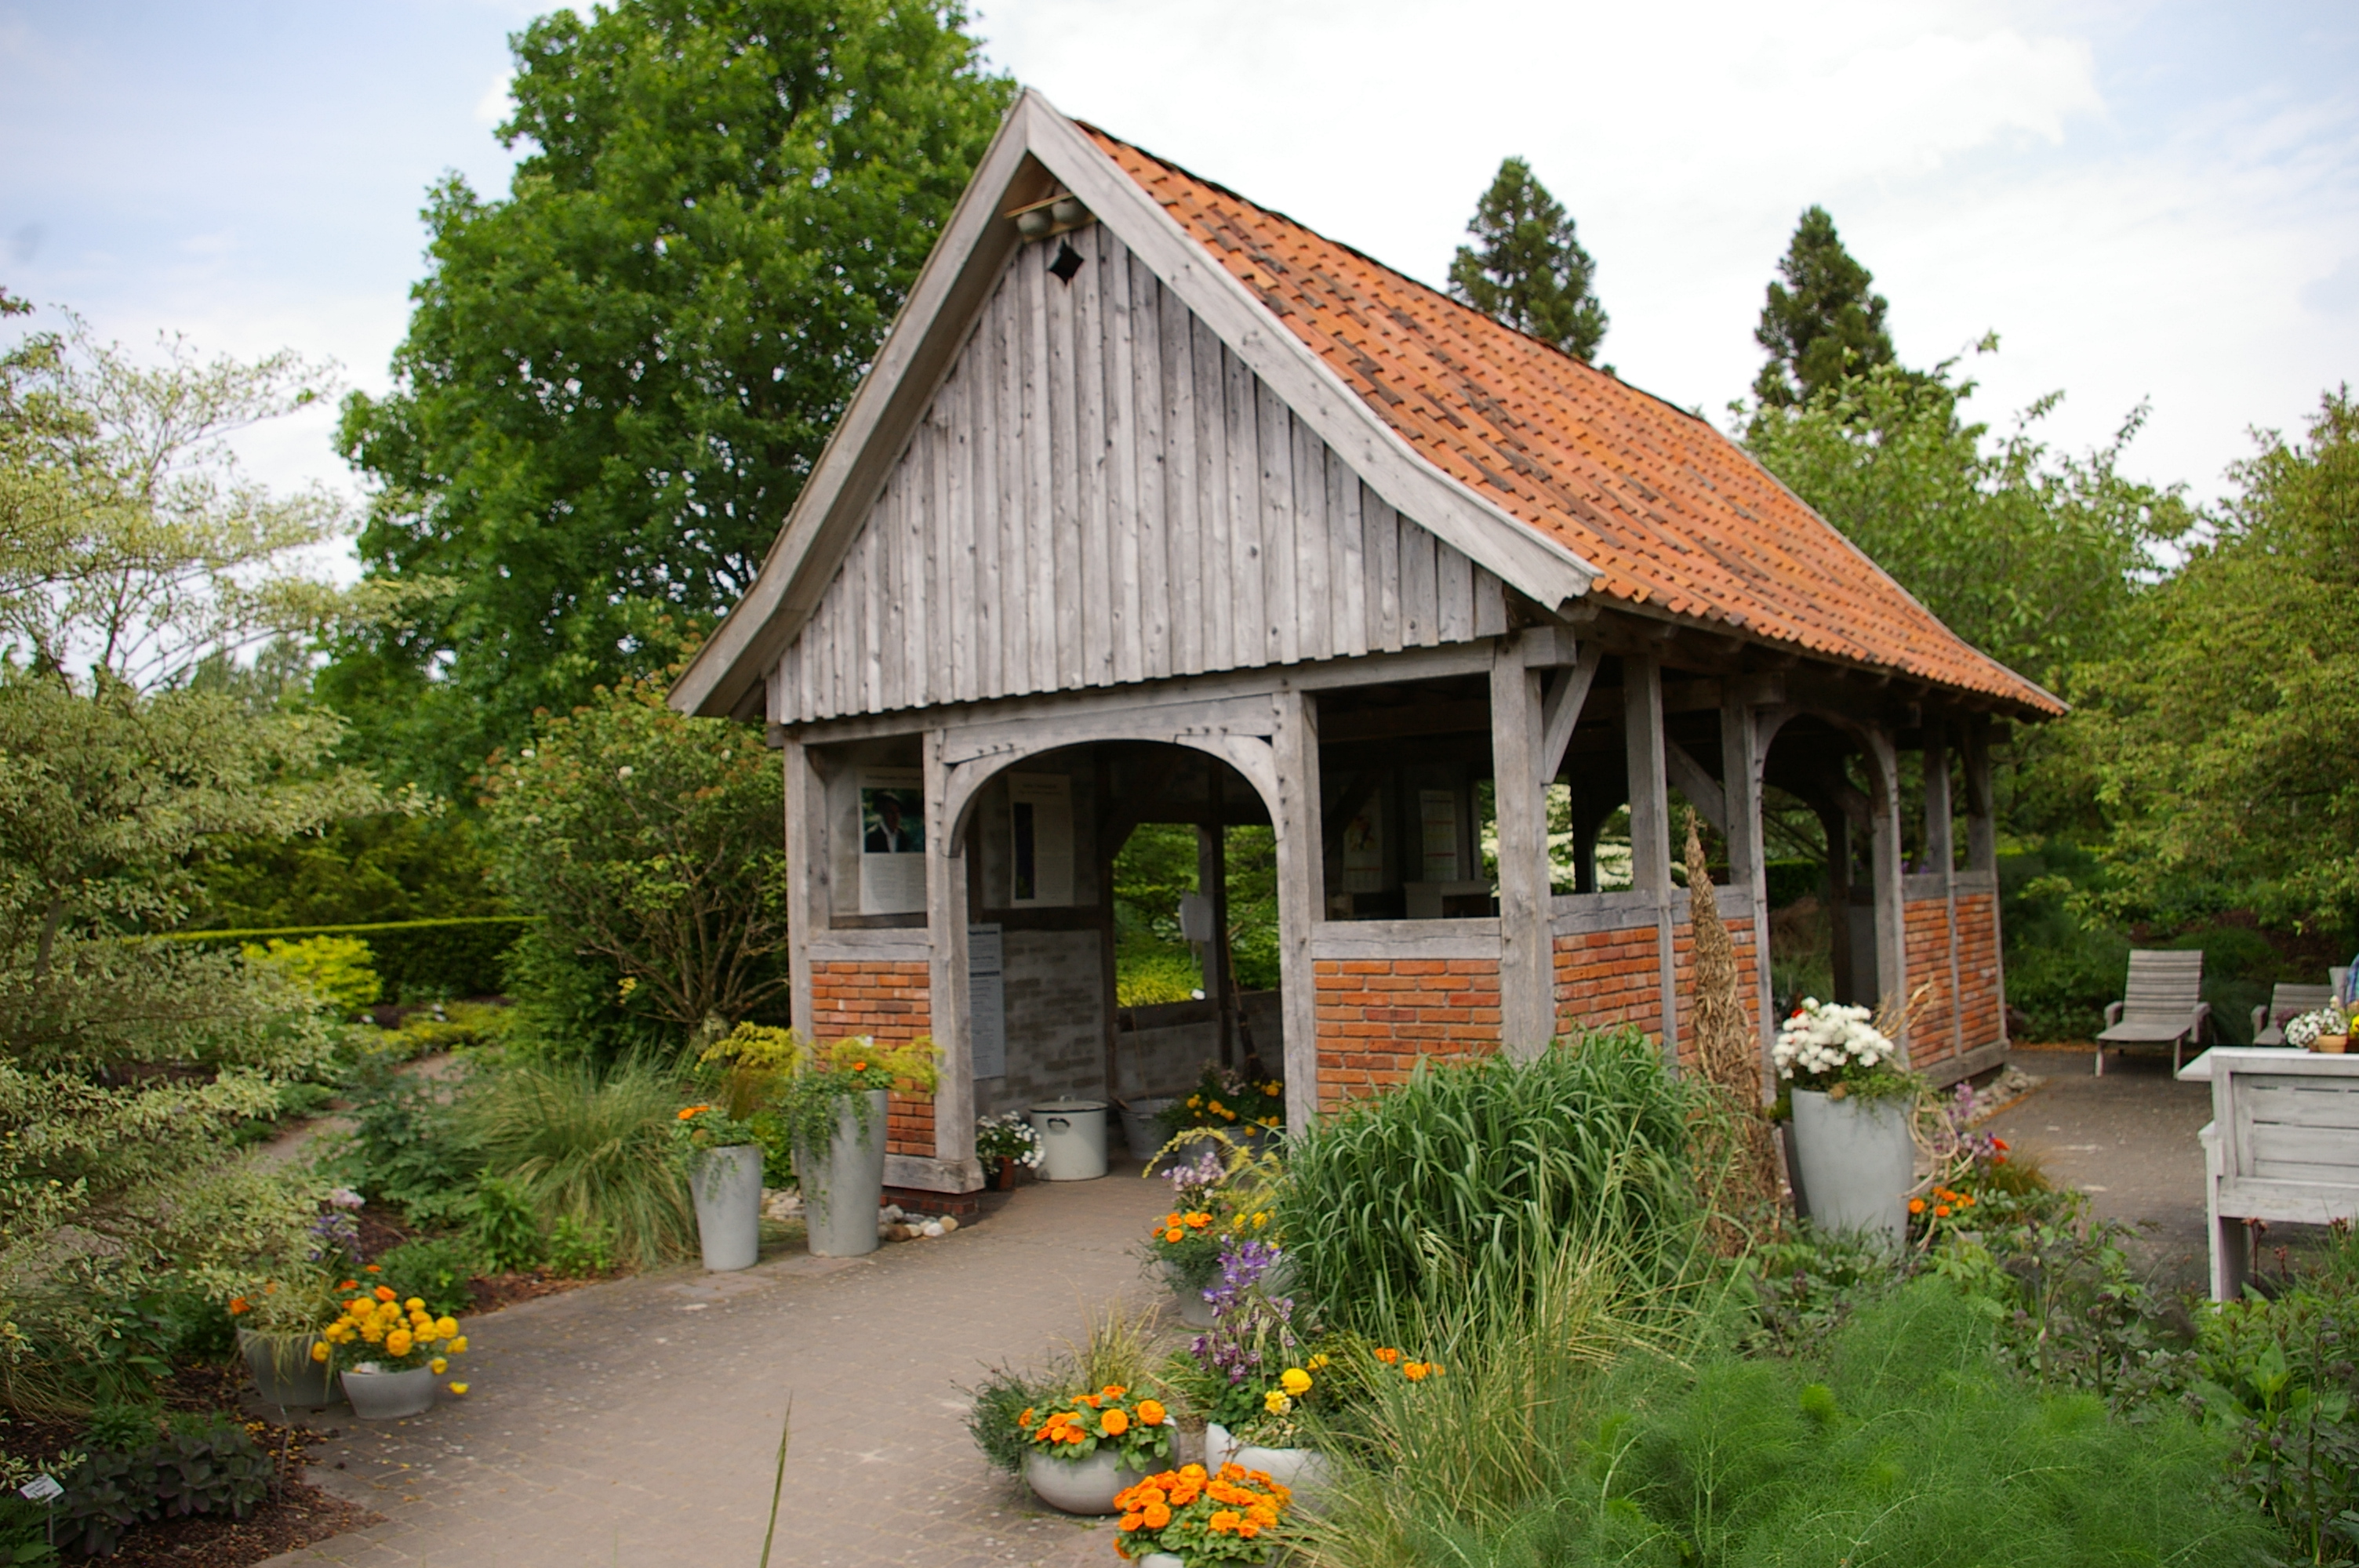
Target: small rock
(949, 1223)
(932, 1230)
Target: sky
(2150, 203)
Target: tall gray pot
(1857, 1161)
(284, 1372)
(727, 1184)
(843, 1184)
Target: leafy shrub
(438, 1270)
(409, 1146)
(336, 969)
(595, 1145)
(205, 1466)
(1907, 1444)
(458, 1026)
(1470, 1179)
(505, 1230)
(579, 1249)
(416, 960)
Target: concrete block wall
(1378, 1016)
(888, 1000)
(1056, 1021)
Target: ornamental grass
(596, 1146)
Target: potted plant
(724, 1175)
(279, 1324)
(389, 1352)
(1078, 1455)
(1250, 1110)
(829, 1104)
(1853, 1107)
(2323, 1029)
(1005, 1144)
(1198, 1516)
(1183, 1247)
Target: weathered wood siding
(1102, 494)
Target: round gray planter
(1305, 1472)
(843, 1184)
(1857, 1161)
(284, 1371)
(728, 1187)
(389, 1396)
(1080, 1485)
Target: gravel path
(637, 1422)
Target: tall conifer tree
(1528, 270)
(1824, 322)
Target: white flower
(624, 772)
(1824, 1037)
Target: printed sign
(1040, 816)
(892, 840)
(986, 996)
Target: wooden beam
(805, 854)
(1567, 693)
(1294, 768)
(949, 1015)
(1689, 778)
(1891, 931)
(1982, 819)
(1650, 831)
(1527, 951)
(1451, 718)
(1740, 783)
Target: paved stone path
(637, 1422)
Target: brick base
(962, 1206)
(1378, 1016)
(889, 1002)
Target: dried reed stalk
(1739, 1160)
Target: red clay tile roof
(1671, 512)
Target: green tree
(1822, 323)
(1528, 270)
(2032, 555)
(2224, 738)
(616, 378)
(646, 845)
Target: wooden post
(1749, 866)
(1296, 821)
(1211, 883)
(1940, 851)
(1650, 822)
(1891, 931)
(805, 854)
(1526, 971)
(946, 998)
(1982, 820)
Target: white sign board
(892, 840)
(1041, 820)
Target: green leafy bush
(580, 1248)
(409, 1147)
(504, 1225)
(1472, 1179)
(416, 960)
(436, 1270)
(202, 1465)
(594, 1144)
(1907, 1444)
(336, 969)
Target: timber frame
(1115, 530)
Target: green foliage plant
(206, 1466)
(435, 1270)
(503, 1226)
(1471, 1180)
(580, 1248)
(595, 1144)
(1907, 1442)
(336, 969)
(809, 1085)
(645, 845)
(617, 375)
(1823, 323)
(410, 1148)
(1527, 269)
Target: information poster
(1364, 847)
(892, 840)
(1437, 814)
(986, 996)
(1040, 813)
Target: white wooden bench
(2282, 1145)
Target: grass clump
(1472, 1180)
(1908, 1443)
(594, 1145)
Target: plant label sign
(41, 1489)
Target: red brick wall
(1925, 942)
(1378, 1016)
(1610, 977)
(888, 1002)
(1748, 981)
(1980, 997)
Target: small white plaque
(40, 1490)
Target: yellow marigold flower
(415, 1303)
(1275, 1402)
(437, 1366)
(458, 1344)
(445, 1327)
(397, 1343)
(460, 1389)
(1295, 1381)
(320, 1351)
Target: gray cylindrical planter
(1857, 1161)
(843, 1185)
(1195, 1310)
(284, 1371)
(728, 1187)
(389, 1396)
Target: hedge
(459, 957)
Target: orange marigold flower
(1157, 1515)
(1198, 1221)
(1114, 1422)
(1223, 1522)
(1940, 1211)
(2001, 1145)
(372, 1269)
(687, 1111)
(1916, 1206)
(1413, 1370)
(1388, 1355)
(238, 1305)
(1024, 1421)
(384, 1293)
(1151, 1413)
(1130, 1521)
(1173, 1235)
(1074, 1434)
(1112, 1391)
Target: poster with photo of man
(892, 840)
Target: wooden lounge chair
(2162, 1005)
(2287, 1002)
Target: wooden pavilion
(1158, 507)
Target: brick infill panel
(889, 1000)
(1376, 1017)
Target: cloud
(495, 105)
